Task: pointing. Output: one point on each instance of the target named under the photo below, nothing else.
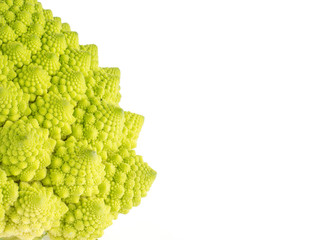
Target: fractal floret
(68, 166)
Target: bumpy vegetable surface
(67, 161)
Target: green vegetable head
(67, 160)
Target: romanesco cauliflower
(68, 166)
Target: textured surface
(67, 164)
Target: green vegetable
(67, 164)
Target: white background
(230, 95)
